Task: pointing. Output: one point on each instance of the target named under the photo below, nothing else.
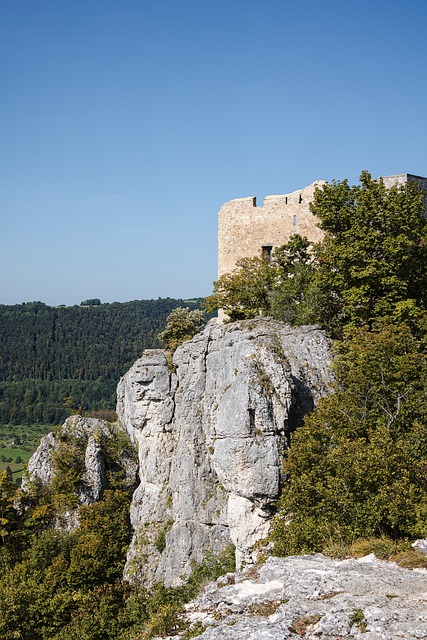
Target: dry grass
(303, 623)
(410, 559)
(266, 608)
(400, 552)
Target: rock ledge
(316, 597)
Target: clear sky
(125, 124)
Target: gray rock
(94, 480)
(40, 464)
(211, 437)
(317, 597)
(88, 435)
(421, 545)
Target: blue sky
(125, 124)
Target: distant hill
(56, 359)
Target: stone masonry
(245, 230)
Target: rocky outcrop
(89, 444)
(211, 436)
(315, 597)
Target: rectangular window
(295, 220)
(266, 251)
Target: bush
(181, 325)
(357, 468)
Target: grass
(19, 441)
(357, 618)
(17, 468)
(23, 435)
(14, 451)
(398, 551)
(266, 608)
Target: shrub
(357, 468)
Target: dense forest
(56, 360)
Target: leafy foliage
(282, 287)
(372, 263)
(61, 584)
(60, 573)
(244, 292)
(358, 467)
(181, 325)
(295, 297)
(68, 584)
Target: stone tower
(245, 230)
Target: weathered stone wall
(403, 178)
(243, 228)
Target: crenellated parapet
(246, 230)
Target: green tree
(91, 302)
(295, 297)
(357, 468)
(9, 514)
(373, 261)
(282, 287)
(243, 293)
(181, 325)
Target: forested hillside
(57, 359)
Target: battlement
(403, 178)
(246, 230)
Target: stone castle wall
(245, 230)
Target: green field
(17, 444)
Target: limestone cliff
(211, 437)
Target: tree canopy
(372, 263)
(281, 287)
(181, 325)
(357, 468)
(52, 357)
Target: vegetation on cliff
(357, 468)
(181, 325)
(61, 583)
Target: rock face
(315, 597)
(211, 436)
(88, 437)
